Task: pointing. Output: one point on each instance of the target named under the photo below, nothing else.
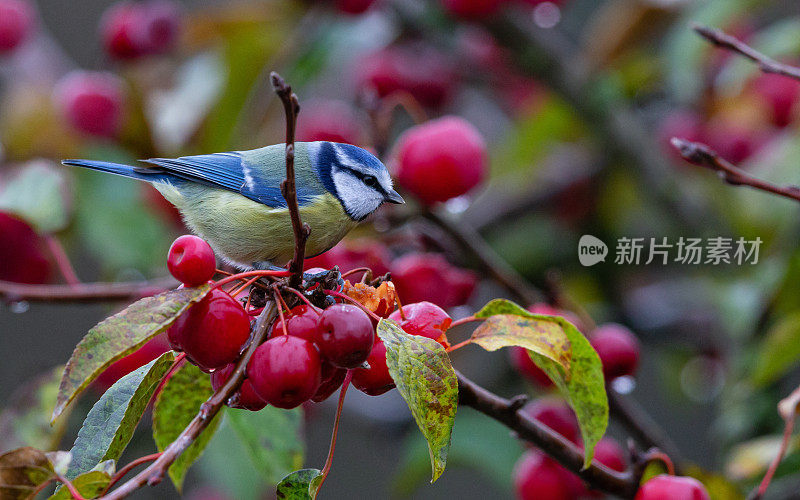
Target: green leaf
(21, 471)
(226, 451)
(120, 335)
(272, 439)
(583, 385)
(38, 193)
(25, 421)
(779, 351)
(425, 378)
(176, 405)
(89, 485)
(110, 423)
(299, 485)
(543, 336)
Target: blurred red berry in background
(665, 487)
(161, 20)
(618, 349)
(154, 348)
(133, 29)
(91, 101)
(16, 23)
(354, 6)
(328, 120)
(440, 159)
(557, 415)
(429, 277)
(780, 94)
(22, 257)
(522, 362)
(538, 477)
(683, 124)
(472, 9)
(423, 72)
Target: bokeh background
(576, 101)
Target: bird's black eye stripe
(369, 180)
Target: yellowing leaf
(425, 378)
(543, 336)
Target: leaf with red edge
(120, 335)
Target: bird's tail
(138, 173)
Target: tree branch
(507, 412)
(83, 292)
(291, 107)
(475, 246)
(700, 154)
(765, 63)
(153, 474)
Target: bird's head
(357, 178)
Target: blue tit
(233, 200)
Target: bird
(233, 200)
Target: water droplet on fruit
(624, 385)
(458, 204)
(19, 307)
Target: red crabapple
(617, 348)
(122, 30)
(92, 102)
(665, 487)
(609, 453)
(16, 22)
(429, 277)
(424, 319)
(285, 371)
(556, 415)
(22, 257)
(376, 379)
(212, 332)
(780, 94)
(419, 70)
(191, 260)
(300, 322)
(345, 335)
(161, 23)
(440, 159)
(333, 121)
(245, 397)
(332, 378)
(537, 477)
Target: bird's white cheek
(358, 200)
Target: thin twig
(73, 491)
(291, 107)
(62, 260)
(765, 63)
(329, 461)
(84, 292)
(507, 412)
(128, 467)
(700, 154)
(155, 472)
(477, 248)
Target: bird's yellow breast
(244, 231)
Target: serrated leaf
(543, 336)
(120, 335)
(301, 484)
(38, 193)
(21, 471)
(272, 439)
(89, 485)
(110, 423)
(176, 405)
(25, 421)
(425, 378)
(583, 385)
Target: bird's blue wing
(234, 172)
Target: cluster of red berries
(617, 347)
(130, 30)
(306, 356)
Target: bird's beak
(394, 197)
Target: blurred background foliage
(576, 99)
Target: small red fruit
(22, 257)
(618, 349)
(538, 477)
(429, 277)
(332, 379)
(780, 94)
(419, 70)
(16, 20)
(472, 9)
(609, 453)
(683, 124)
(91, 102)
(345, 335)
(212, 332)
(333, 121)
(523, 363)
(556, 415)
(245, 397)
(161, 24)
(424, 319)
(191, 260)
(665, 487)
(441, 159)
(376, 379)
(285, 371)
(301, 322)
(122, 30)
(148, 352)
